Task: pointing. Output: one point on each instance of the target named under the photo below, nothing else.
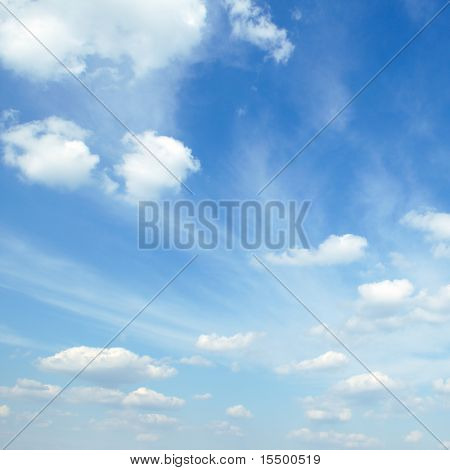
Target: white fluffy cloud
(147, 35)
(27, 388)
(338, 439)
(203, 396)
(395, 306)
(157, 418)
(436, 227)
(143, 176)
(334, 250)
(51, 152)
(318, 414)
(327, 360)
(386, 292)
(141, 398)
(146, 398)
(114, 364)
(413, 437)
(4, 411)
(365, 383)
(251, 23)
(199, 361)
(214, 342)
(238, 411)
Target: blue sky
(225, 93)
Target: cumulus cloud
(327, 360)
(27, 388)
(338, 439)
(51, 152)
(334, 250)
(251, 23)
(238, 411)
(318, 414)
(146, 398)
(143, 176)
(395, 306)
(4, 411)
(147, 35)
(141, 398)
(413, 437)
(196, 361)
(113, 364)
(328, 408)
(386, 292)
(365, 383)
(225, 428)
(203, 396)
(214, 342)
(435, 226)
(157, 418)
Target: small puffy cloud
(27, 388)
(51, 152)
(317, 414)
(225, 428)
(146, 35)
(251, 23)
(238, 411)
(327, 360)
(214, 342)
(147, 437)
(113, 364)
(156, 418)
(442, 386)
(436, 225)
(203, 396)
(365, 383)
(386, 292)
(4, 411)
(98, 395)
(143, 176)
(196, 361)
(334, 250)
(413, 437)
(338, 439)
(146, 398)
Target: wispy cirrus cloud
(251, 23)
